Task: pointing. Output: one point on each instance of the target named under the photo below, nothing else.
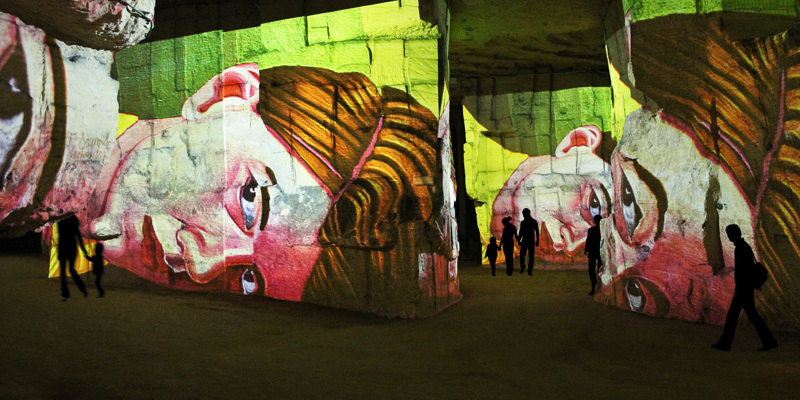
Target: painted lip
(152, 253)
(154, 257)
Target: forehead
(662, 149)
(568, 173)
(579, 160)
(8, 34)
(670, 156)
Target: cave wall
(59, 109)
(97, 24)
(710, 144)
(519, 153)
(305, 159)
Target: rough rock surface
(99, 24)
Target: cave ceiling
(487, 37)
(507, 38)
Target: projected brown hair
(367, 148)
(739, 101)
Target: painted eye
(249, 285)
(247, 198)
(12, 83)
(631, 212)
(594, 204)
(595, 201)
(637, 300)
(640, 203)
(641, 295)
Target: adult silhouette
(592, 251)
(69, 238)
(528, 240)
(744, 262)
(507, 243)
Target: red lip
(152, 251)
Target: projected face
(49, 155)
(191, 195)
(16, 109)
(564, 193)
(665, 240)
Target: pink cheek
(285, 268)
(238, 248)
(676, 254)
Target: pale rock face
(98, 24)
(187, 200)
(665, 245)
(58, 121)
(563, 193)
(448, 225)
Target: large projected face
(564, 193)
(723, 150)
(666, 254)
(191, 194)
(254, 188)
(57, 120)
(16, 110)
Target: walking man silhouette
(528, 238)
(69, 238)
(507, 243)
(744, 262)
(592, 251)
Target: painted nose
(106, 227)
(572, 241)
(203, 263)
(558, 236)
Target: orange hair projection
(368, 148)
(739, 101)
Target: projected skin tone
(668, 256)
(664, 255)
(48, 155)
(272, 190)
(191, 193)
(97, 24)
(564, 193)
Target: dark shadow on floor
(511, 337)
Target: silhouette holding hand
(592, 251)
(491, 253)
(97, 268)
(507, 243)
(528, 240)
(744, 262)
(69, 238)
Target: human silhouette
(491, 253)
(744, 262)
(528, 240)
(507, 243)
(69, 238)
(592, 251)
(97, 268)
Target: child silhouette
(491, 252)
(97, 267)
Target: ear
(239, 82)
(585, 136)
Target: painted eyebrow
(657, 188)
(607, 196)
(58, 138)
(265, 199)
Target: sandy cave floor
(510, 337)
